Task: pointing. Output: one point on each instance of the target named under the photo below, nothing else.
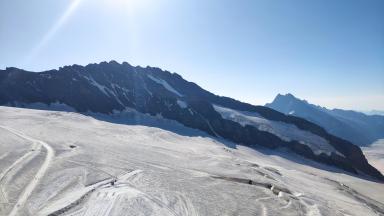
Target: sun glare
(52, 31)
(127, 4)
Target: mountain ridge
(107, 87)
(356, 127)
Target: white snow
(35, 180)
(182, 104)
(112, 92)
(375, 154)
(105, 90)
(93, 82)
(283, 130)
(165, 85)
(161, 168)
(57, 106)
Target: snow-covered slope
(165, 85)
(283, 130)
(160, 168)
(375, 154)
(110, 87)
(353, 126)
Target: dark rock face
(109, 87)
(358, 128)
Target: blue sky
(330, 52)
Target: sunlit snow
(135, 164)
(165, 85)
(283, 130)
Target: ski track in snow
(3, 197)
(40, 173)
(159, 172)
(104, 197)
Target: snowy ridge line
(165, 85)
(104, 89)
(96, 84)
(284, 131)
(40, 173)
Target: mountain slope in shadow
(110, 87)
(356, 127)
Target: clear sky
(330, 52)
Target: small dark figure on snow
(113, 182)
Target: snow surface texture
(177, 171)
(182, 104)
(165, 85)
(283, 130)
(375, 154)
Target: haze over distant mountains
(356, 127)
(374, 112)
(110, 87)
